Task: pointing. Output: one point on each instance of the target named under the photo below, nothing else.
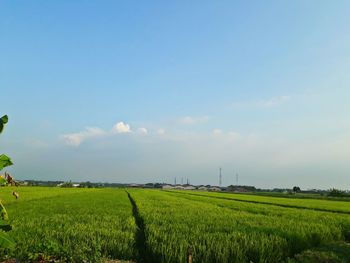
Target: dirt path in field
(144, 255)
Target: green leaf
(5, 226)
(3, 212)
(4, 161)
(3, 181)
(3, 120)
(6, 241)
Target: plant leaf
(6, 241)
(3, 120)
(3, 212)
(3, 181)
(5, 226)
(4, 161)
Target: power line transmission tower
(236, 178)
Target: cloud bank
(121, 127)
(75, 139)
(90, 133)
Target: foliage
(296, 189)
(82, 224)
(3, 120)
(86, 185)
(338, 252)
(241, 188)
(222, 230)
(72, 225)
(5, 240)
(67, 184)
(315, 204)
(337, 193)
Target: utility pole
(175, 180)
(220, 177)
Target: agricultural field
(138, 225)
(314, 204)
(71, 224)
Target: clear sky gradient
(126, 91)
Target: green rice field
(139, 225)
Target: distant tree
(337, 193)
(231, 188)
(296, 189)
(67, 184)
(87, 184)
(241, 188)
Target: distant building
(167, 187)
(189, 187)
(178, 187)
(215, 189)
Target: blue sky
(126, 91)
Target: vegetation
(229, 231)
(331, 253)
(337, 193)
(314, 204)
(296, 189)
(5, 226)
(97, 224)
(71, 225)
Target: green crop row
(30, 193)
(313, 204)
(228, 231)
(72, 225)
(94, 225)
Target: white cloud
(217, 131)
(121, 127)
(142, 130)
(160, 131)
(76, 139)
(193, 120)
